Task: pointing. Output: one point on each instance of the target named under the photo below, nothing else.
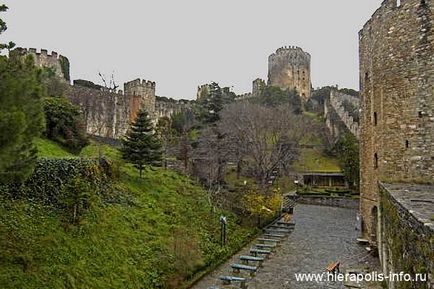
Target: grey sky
(181, 44)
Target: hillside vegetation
(155, 232)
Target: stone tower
(397, 88)
(257, 86)
(58, 63)
(289, 68)
(142, 95)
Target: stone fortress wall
(397, 121)
(289, 68)
(108, 113)
(335, 102)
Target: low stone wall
(340, 202)
(406, 241)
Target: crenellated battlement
(139, 83)
(392, 8)
(290, 51)
(59, 63)
(40, 53)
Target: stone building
(397, 134)
(108, 113)
(289, 68)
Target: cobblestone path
(322, 235)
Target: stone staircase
(241, 273)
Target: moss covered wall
(407, 245)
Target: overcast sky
(181, 44)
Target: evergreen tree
(21, 114)
(141, 146)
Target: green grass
(94, 150)
(312, 160)
(48, 148)
(161, 234)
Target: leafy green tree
(348, 152)
(273, 96)
(3, 27)
(21, 115)
(64, 123)
(213, 103)
(141, 146)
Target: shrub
(64, 123)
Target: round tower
(289, 68)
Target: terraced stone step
(238, 267)
(265, 246)
(257, 252)
(227, 280)
(283, 228)
(265, 240)
(246, 259)
(290, 224)
(274, 235)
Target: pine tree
(141, 146)
(21, 114)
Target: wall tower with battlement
(55, 61)
(289, 68)
(142, 95)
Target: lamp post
(223, 230)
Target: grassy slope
(163, 231)
(312, 158)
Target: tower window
(375, 161)
(375, 118)
(366, 76)
(420, 114)
(407, 144)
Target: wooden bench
(257, 252)
(265, 246)
(238, 267)
(246, 259)
(227, 280)
(274, 235)
(332, 267)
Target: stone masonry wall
(58, 63)
(106, 114)
(336, 101)
(289, 68)
(397, 85)
(406, 243)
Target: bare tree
(266, 138)
(210, 159)
(111, 86)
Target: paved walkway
(321, 235)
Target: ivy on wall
(64, 64)
(411, 251)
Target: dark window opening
(420, 114)
(375, 118)
(407, 144)
(366, 76)
(375, 161)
